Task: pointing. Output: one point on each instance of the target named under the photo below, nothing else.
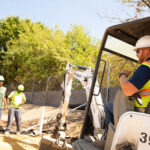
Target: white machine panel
(134, 128)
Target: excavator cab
(120, 40)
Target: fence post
(46, 89)
(32, 92)
(42, 119)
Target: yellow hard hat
(21, 87)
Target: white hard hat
(1, 78)
(143, 42)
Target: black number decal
(144, 137)
(149, 140)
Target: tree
(37, 52)
(117, 64)
(10, 28)
(81, 46)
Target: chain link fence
(48, 91)
(39, 91)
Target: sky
(65, 13)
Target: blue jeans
(108, 114)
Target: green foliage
(10, 28)
(33, 51)
(81, 46)
(117, 64)
(30, 51)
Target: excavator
(130, 130)
(84, 75)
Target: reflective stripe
(148, 63)
(144, 93)
(145, 90)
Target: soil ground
(31, 115)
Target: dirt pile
(31, 115)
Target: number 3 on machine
(144, 141)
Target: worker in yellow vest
(17, 99)
(140, 81)
(3, 103)
(138, 86)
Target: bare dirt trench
(31, 115)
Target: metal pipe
(77, 107)
(41, 123)
(46, 89)
(32, 92)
